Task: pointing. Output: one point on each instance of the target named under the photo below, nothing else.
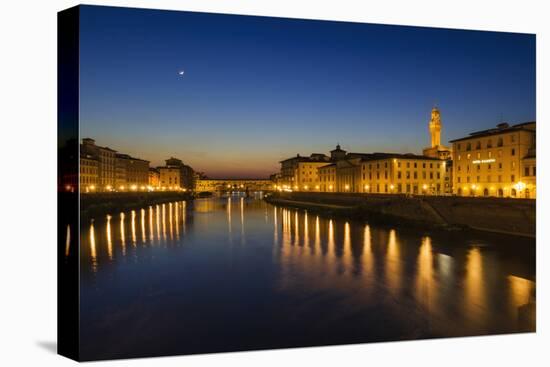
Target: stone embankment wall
(104, 203)
(512, 216)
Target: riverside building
(497, 162)
(106, 158)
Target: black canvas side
(68, 183)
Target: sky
(256, 90)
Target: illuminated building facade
(131, 173)
(389, 173)
(301, 173)
(89, 177)
(497, 162)
(154, 178)
(176, 175)
(106, 163)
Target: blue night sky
(257, 90)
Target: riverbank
(507, 216)
(96, 204)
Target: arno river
(236, 273)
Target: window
(415, 175)
(499, 142)
(513, 151)
(458, 168)
(432, 166)
(526, 171)
(408, 164)
(469, 146)
(408, 175)
(490, 154)
(386, 164)
(438, 175)
(459, 157)
(512, 138)
(513, 165)
(431, 175)
(386, 175)
(499, 178)
(468, 156)
(424, 165)
(458, 147)
(468, 179)
(424, 175)
(415, 165)
(500, 166)
(489, 166)
(478, 145)
(478, 155)
(399, 175)
(513, 178)
(489, 143)
(398, 164)
(458, 179)
(477, 178)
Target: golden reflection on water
(393, 263)
(377, 259)
(171, 226)
(93, 252)
(134, 228)
(474, 286)
(164, 222)
(109, 239)
(158, 222)
(425, 284)
(68, 241)
(143, 235)
(122, 235)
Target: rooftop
(501, 128)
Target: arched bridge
(224, 185)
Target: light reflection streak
(122, 235)
(242, 220)
(134, 228)
(368, 258)
(158, 222)
(164, 222)
(331, 245)
(425, 291)
(177, 219)
(170, 221)
(93, 253)
(317, 235)
(275, 225)
(143, 235)
(474, 286)
(393, 263)
(109, 238)
(68, 241)
(296, 229)
(151, 234)
(306, 231)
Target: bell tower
(435, 128)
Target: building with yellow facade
(497, 162)
(89, 176)
(131, 173)
(154, 178)
(385, 173)
(301, 173)
(176, 175)
(106, 163)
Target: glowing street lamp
(346, 187)
(519, 186)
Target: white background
(28, 182)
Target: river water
(237, 273)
